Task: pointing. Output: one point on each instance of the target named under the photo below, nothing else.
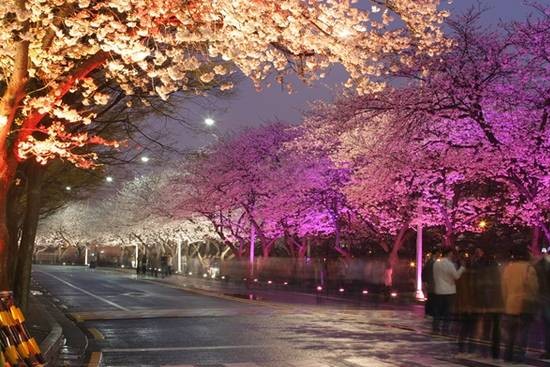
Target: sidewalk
(62, 343)
(45, 329)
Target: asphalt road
(135, 322)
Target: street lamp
(109, 179)
(209, 121)
(68, 188)
(145, 159)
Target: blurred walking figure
(445, 277)
(488, 304)
(428, 279)
(543, 272)
(465, 306)
(519, 292)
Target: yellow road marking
(96, 333)
(95, 359)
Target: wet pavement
(136, 322)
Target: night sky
(251, 108)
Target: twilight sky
(251, 108)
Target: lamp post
(179, 255)
(137, 254)
(252, 243)
(419, 293)
(86, 263)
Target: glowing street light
(482, 224)
(109, 179)
(68, 188)
(145, 159)
(209, 121)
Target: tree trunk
(393, 256)
(26, 247)
(534, 248)
(4, 240)
(14, 222)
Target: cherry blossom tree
(457, 140)
(53, 52)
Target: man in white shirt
(445, 276)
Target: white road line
(175, 349)
(86, 292)
(309, 363)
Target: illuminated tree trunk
(4, 238)
(535, 240)
(26, 247)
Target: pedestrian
(488, 304)
(464, 306)
(428, 279)
(543, 271)
(519, 292)
(445, 277)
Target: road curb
(53, 342)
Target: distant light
(269, 282)
(109, 179)
(209, 121)
(223, 276)
(68, 188)
(213, 276)
(190, 273)
(285, 283)
(145, 159)
(204, 275)
(341, 290)
(365, 291)
(482, 224)
(102, 251)
(412, 264)
(255, 280)
(319, 288)
(393, 294)
(122, 266)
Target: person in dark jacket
(543, 273)
(428, 279)
(519, 293)
(464, 306)
(488, 304)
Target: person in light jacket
(519, 294)
(543, 271)
(445, 276)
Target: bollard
(19, 348)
